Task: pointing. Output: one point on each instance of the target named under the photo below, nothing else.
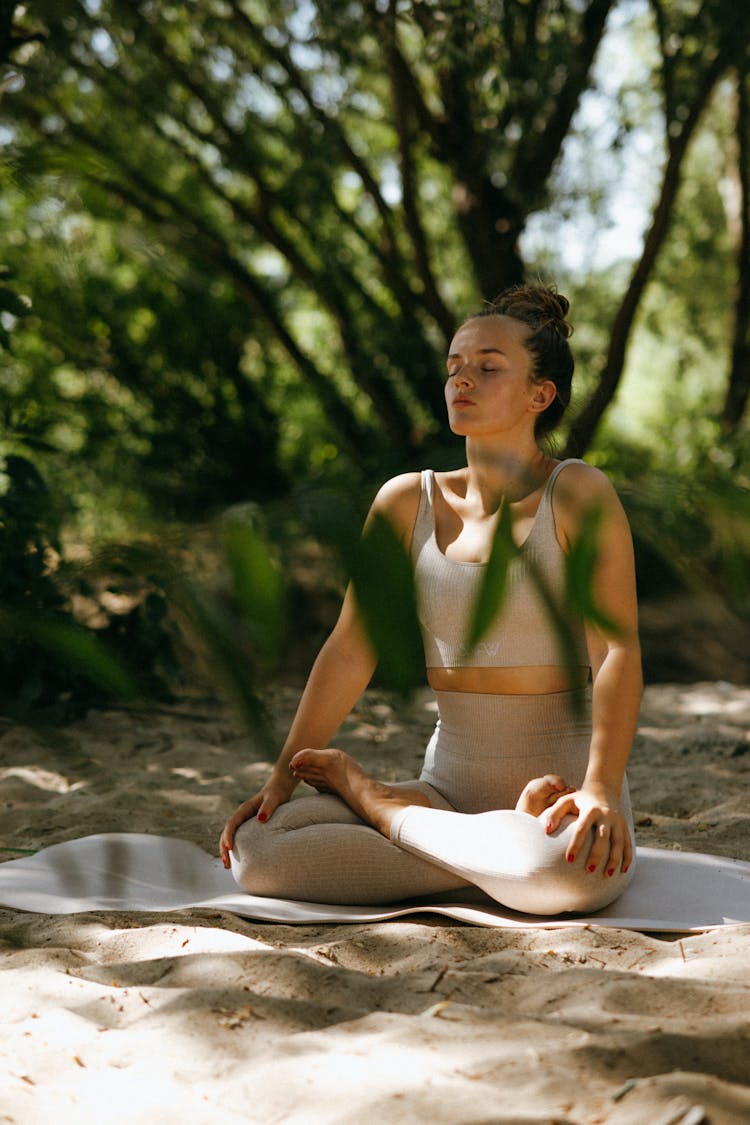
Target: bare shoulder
(398, 501)
(585, 484)
(580, 489)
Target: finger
(588, 842)
(599, 853)
(627, 853)
(225, 844)
(267, 808)
(616, 842)
(621, 852)
(238, 817)
(563, 806)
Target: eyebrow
(481, 351)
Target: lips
(462, 401)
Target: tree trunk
(738, 387)
(585, 425)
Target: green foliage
(575, 601)
(580, 568)
(258, 589)
(235, 621)
(492, 589)
(211, 176)
(249, 229)
(383, 582)
(48, 662)
(139, 368)
(10, 304)
(688, 502)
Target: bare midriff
(534, 680)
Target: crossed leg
(333, 771)
(507, 853)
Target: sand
(199, 1016)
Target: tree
(738, 385)
(349, 164)
(697, 47)
(354, 174)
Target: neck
(496, 473)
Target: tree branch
(331, 126)
(587, 422)
(401, 109)
(535, 159)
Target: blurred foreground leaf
(258, 587)
(491, 594)
(580, 568)
(75, 646)
(383, 579)
(220, 637)
(577, 600)
(239, 625)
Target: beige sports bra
(523, 633)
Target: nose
(462, 376)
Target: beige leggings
(484, 750)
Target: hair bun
(540, 306)
(562, 306)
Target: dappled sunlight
(204, 1008)
(238, 238)
(38, 778)
(712, 700)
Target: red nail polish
(611, 871)
(591, 867)
(571, 858)
(548, 829)
(262, 817)
(625, 869)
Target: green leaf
(218, 631)
(79, 646)
(383, 581)
(491, 594)
(213, 628)
(258, 587)
(580, 569)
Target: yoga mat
(671, 891)
(677, 892)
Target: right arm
(339, 676)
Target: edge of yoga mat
(672, 892)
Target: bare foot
(541, 793)
(333, 771)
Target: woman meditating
(523, 790)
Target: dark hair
(543, 310)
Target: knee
(245, 839)
(252, 856)
(586, 892)
(560, 887)
(555, 886)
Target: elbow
(350, 650)
(621, 658)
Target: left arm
(616, 671)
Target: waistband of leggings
(482, 714)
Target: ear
(542, 395)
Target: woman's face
(490, 387)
